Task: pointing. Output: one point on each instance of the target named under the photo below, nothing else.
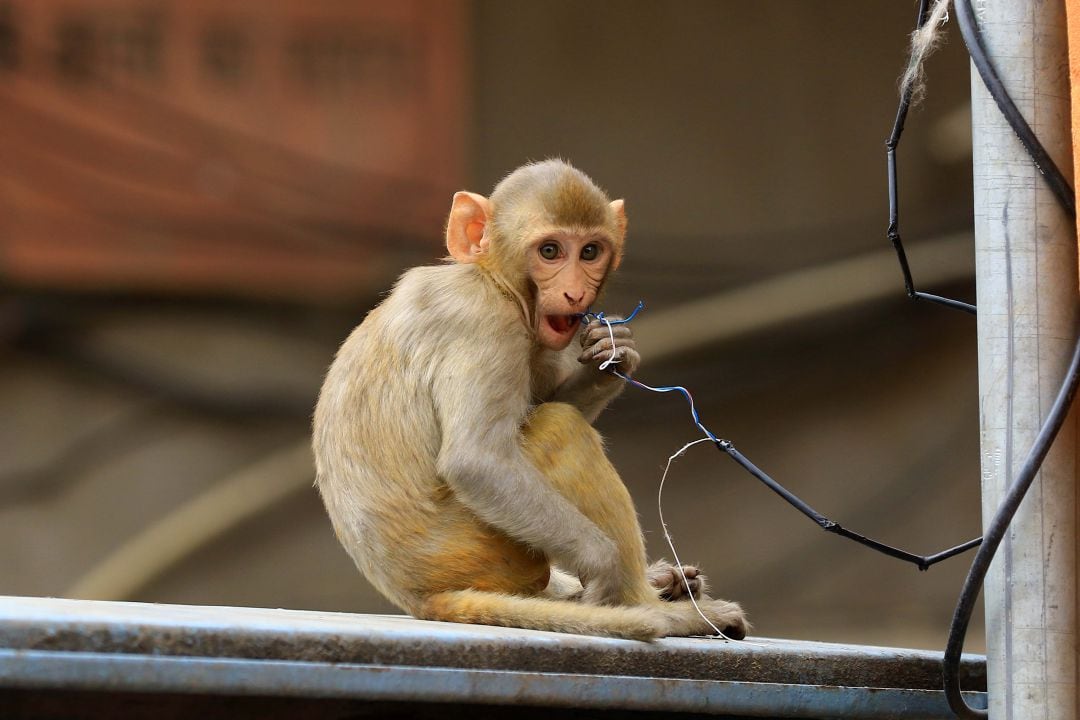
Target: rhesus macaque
(453, 438)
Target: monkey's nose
(574, 301)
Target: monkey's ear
(619, 208)
(465, 237)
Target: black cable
(999, 524)
(726, 446)
(894, 193)
(969, 29)
(922, 561)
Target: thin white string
(671, 544)
(611, 333)
(667, 534)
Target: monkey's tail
(638, 622)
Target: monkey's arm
(589, 388)
(480, 412)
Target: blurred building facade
(240, 148)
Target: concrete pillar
(1026, 267)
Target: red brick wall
(246, 147)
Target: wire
(923, 562)
(894, 193)
(589, 314)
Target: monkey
(453, 438)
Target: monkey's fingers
(625, 358)
(629, 359)
(594, 332)
(602, 348)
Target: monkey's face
(567, 270)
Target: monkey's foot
(728, 616)
(666, 578)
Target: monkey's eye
(590, 252)
(549, 251)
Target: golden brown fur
(452, 436)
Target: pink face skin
(567, 269)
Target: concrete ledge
(167, 651)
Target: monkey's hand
(596, 347)
(666, 578)
(592, 385)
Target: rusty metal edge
(108, 672)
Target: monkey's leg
(461, 552)
(465, 553)
(570, 455)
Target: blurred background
(198, 200)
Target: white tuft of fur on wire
(924, 41)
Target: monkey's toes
(737, 630)
(667, 578)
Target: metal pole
(1027, 305)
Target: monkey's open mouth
(563, 324)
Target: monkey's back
(377, 431)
